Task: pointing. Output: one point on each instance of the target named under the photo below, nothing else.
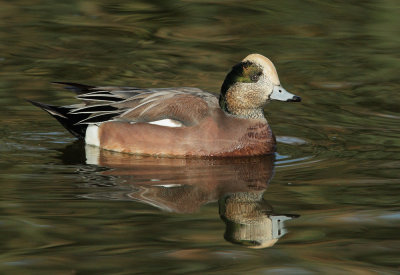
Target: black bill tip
(294, 99)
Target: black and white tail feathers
(76, 119)
(69, 121)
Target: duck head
(250, 85)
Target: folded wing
(185, 105)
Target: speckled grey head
(250, 85)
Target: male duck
(179, 121)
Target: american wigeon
(179, 121)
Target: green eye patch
(245, 72)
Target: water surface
(327, 202)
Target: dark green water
(327, 203)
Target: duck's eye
(255, 77)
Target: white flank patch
(168, 185)
(92, 135)
(167, 123)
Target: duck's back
(186, 105)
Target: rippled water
(327, 202)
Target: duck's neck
(248, 113)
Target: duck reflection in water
(250, 220)
(184, 185)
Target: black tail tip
(37, 104)
(61, 113)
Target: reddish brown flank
(217, 135)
